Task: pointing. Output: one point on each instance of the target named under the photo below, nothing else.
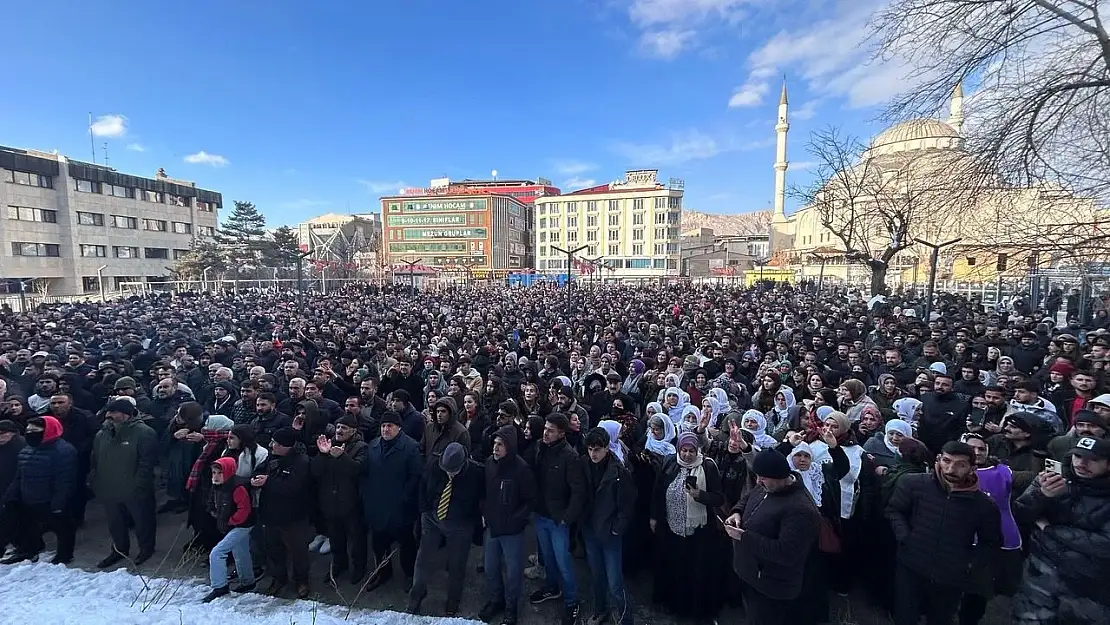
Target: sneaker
(535, 572)
(544, 594)
(241, 588)
(316, 542)
(598, 618)
(570, 616)
(216, 594)
(112, 560)
(490, 610)
(325, 547)
(20, 556)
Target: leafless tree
(876, 204)
(1038, 110)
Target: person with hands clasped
(1069, 554)
(337, 472)
(774, 530)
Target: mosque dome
(916, 134)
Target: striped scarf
(212, 440)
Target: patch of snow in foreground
(52, 594)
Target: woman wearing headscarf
(181, 442)
(853, 399)
(633, 384)
(908, 409)
(884, 394)
(674, 402)
(18, 410)
(723, 404)
(884, 449)
(199, 484)
(784, 411)
(756, 424)
(692, 553)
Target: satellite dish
(493, 173)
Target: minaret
(956, 108)
(781, 128)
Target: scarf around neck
(696, 513)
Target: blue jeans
(509, 552)
(237, 542)
(553, 540)
(604, 555)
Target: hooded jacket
(780, 531)
(46, 474)
(610, 495)
(943, 418)
(230, 502)
(437, 437)
(510, 489)
(284, 498)
(123, 459)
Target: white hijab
(814, 478)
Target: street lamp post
(934, 258)
(100, 280)
(204, 278)
(300, 277)
(412, 274)
(570, 258)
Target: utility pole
(570, 259)
(300, 277)
(821, 274)
(934, 258)
(412, 274)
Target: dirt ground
(93, 544)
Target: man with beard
(337, 470)
(1065, 574)
(1021, 443)
(267, 419)
(45, 387)
(942, 524)
(43, 485)
(568, 404)
(444, 430)
(943, 414)
(78, 429)
(1087, 424)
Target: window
(179, 254)
(541, 209)
(614, 220)
(659, 249)
(87, 186)
(555, 237)
(543, 222)
(658, 263)
(572, 207)
(94, 251)
(572, 236)
(177, 200)
(35, 249)
(116, 190)
(637, 219)
(572, 222)
(638, 204)
(638, 249)
(660, 233)
(674, 202)
(181, 227)
(152, 196)
(90, 219)
(672, 263)
(591, 235)
(614, 205)
(125, 252)
(639, 263)
(591, 221)
(614, 235)
(672, 248)
(591, 205)
(24, 213)
(156, 225)
(614, 249)
(592, 251)
(156, 253)
(91, 284)
(660, 202)
(673, 218)
(672, 233)
(660, 218)
(556, 222)
(29, 179)
(543, 237)
(122, 221)
(543, 250)
(207, 207)
(638, 234)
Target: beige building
(632, 224)
(918, 170)
(347, 242)
(67, 223)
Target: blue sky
(305, 108)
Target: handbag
(828, 541)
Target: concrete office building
(65, 219)
(632, 224)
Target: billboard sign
(421, 206)
(450, 233)
(427, 220)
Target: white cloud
(204, 158)
(665, 44)
(576, 183)
(749, 94)
(572, 167)
(136, 147)
(803, 165)
(109, 126)
(378, 186)
(691, 145)
(805, 111)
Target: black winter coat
(943, 419)
(467, 487)
(46, 475)
(337, 480)
(391, 482)
(9, 461)
(559, 481)
(611, 496)
(941, 534)
(285, 496)
(510, 490)
(780, 534)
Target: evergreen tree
(245, 227)
(205, 253)
(283, 248)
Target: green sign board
(427, 220)
(444, 233)
(421, 206)
(426, 248)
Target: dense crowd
(758, 447)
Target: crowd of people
(766, 448)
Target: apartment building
(68, 223)
(632, 226)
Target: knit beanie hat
(770, 463)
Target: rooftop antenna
(494, 174)
(92, 139)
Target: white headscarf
(814, 478)
(907, 409)
(614, 430)
(675, 413)
(658, 409)
(723, 405)
(781, 414)
(762, 439)
(896, 425)
(691, 415)
(662, 447)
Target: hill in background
(756, 222)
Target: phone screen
(1053, 466)
(691, 481)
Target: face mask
(34, 439)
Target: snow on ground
(56, 595)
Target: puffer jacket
(47, 473)
(780, 530)
(1068, 557)
(942, 533)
